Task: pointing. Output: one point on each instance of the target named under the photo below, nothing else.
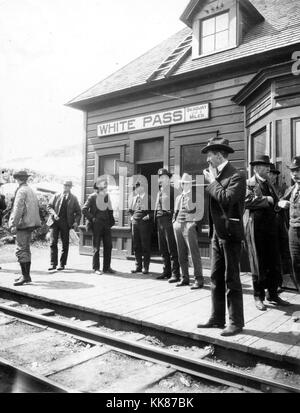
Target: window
(296, 137)
(215, 33)
(107, 166)
(260, 144)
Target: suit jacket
(90, 210)
(73, 209)
(226, 204)
(146, 206)
(192, 215)
(167, 203)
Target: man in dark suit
(163, 215)
(141, 218)
(227, 189)
(2, 208)
(291, 201)
(99, 213)
(64, 214)
(262, 235)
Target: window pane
(208, 26)
(107, 166)
(222, 22)
(278, 138)
(222, 40)
(297, 138)
(260, 146)
(208, 44)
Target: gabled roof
(279, 29)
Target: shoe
(211, 324)
(174, 279)
(21, 281)
(260, 305)
(146, 271)
(183, 284)
(61, 268)
(98, 272)
(109, 271)
(197, 286)
(279, 301)
(163, 277)
(53, 268)
(231, 331)
(137, 271)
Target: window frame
(214, 34)
(294, 142)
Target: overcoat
(256, 204)
(90, 209)
(25, 212)
(2, 207)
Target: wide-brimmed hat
(273, 169)
(216, 144)
(21, 174)
(261, 160)
(186, 179)
(295, 163)
(164, 171)
(68, 183)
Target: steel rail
(27, 382)
(200, 368)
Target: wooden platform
(146, 301)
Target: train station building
(232, 72)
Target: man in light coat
(24, 218)
(64, 214)
(185, 227)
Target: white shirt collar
(141, 196)
(222, 166)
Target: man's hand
(56, 217)
(284, 204)
(13, 230)
(210, 174)
(270, 200)
(146, 218)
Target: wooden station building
(231, 72)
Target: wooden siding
(259, 105)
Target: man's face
(186, 187)
(67, 189)
(103, 187)
(164, 180)
(295, 174)
(263, 171)
(214, 159)
(273, 177)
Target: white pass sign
(155, 120)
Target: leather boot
(24, 278)
(27, 267)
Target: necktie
(296, 195)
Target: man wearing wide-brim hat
(64, 214)
(24, 218)
(262, 235)
(226, 189)
(185, 222)
(291, 201)
(163, 215)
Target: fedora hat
(21, 174)
(186, 179)
(68, 183)
(164, 171)
(295, 163)
(274, 170)
(216, 144)
(261, 160)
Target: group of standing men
(239, 210)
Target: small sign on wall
(156, 120)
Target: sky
(53, 50)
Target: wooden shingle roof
(279, 29)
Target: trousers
(294, 240)
(102, 232)
(61, 229)
(167, 246)
(226, 282)
(141, 237)
(187, 243)
(23, 239)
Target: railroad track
(194, 367)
